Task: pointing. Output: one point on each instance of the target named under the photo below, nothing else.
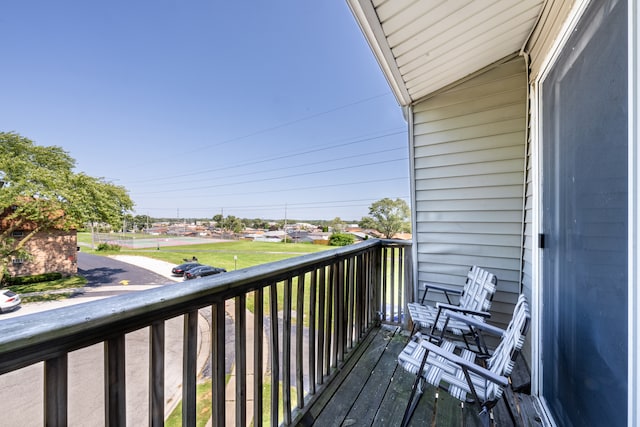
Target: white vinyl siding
(469, 164)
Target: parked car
(179, 270)
(202, 271)
(8, 300)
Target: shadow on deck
(373, 390)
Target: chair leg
(416, 393)
(485, 418)
(417, 387)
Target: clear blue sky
(246, 108)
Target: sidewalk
(230, 390)
(164, 268)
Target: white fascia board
(367, 19)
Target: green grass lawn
(228, 255)
(53, 285)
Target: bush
(108, 247)
(36, 278)
(341, 239)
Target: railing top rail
(74, 327)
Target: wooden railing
(295, 321)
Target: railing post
(408, 286)
(339, 323)
(241, 360)
(299, 336)
(321, 325)
(312, 332)
(189, 369)
(258, 350)
(275, 354)
(286, 352)
(392, 282)
(350, 301)
(115, 382)
(328, 320)
(56, 390)
(217, 364)
(378, 285)
(156, 374)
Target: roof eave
(369, 23)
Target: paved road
(21, 391)
(100, 271)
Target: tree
(388, 216)
(42, 191)
(142, 222)
(341, 239)
(337, 225)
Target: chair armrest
(440, 288)
(458, 309)
(471, 366)
(478, 324)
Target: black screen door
(584, 202)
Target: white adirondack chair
(454, 369)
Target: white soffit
(425, 45)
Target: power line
(386, 161)
(341, 184)
(285, 124)
(269, 159)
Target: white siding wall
(469, 166)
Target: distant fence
(139, 241)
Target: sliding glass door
(584, 221)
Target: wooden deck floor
(373, 391)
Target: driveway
(21, 391)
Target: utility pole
(285, 223)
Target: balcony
(312, 323)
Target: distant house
(52, 251)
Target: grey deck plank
(377, 383)
(335, 412)
(376, 391)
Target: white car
(8, 300)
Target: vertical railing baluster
(189, 368)
(56, 384)
(258, 352)
(340, 315)
(330, 336)
(408, 286)
(156, 374)
(321, 324)
(115, 382)
(383, 257)
(377, 284)
(392, 283)
(241, 359)
(350, 299)
(399, 256)
(217, 364)
(275, 355)
(286, 352)
(358, 295)
(312, 331)
(367, 291)
(299, 336)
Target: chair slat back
(505, 354)
(478, 290)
